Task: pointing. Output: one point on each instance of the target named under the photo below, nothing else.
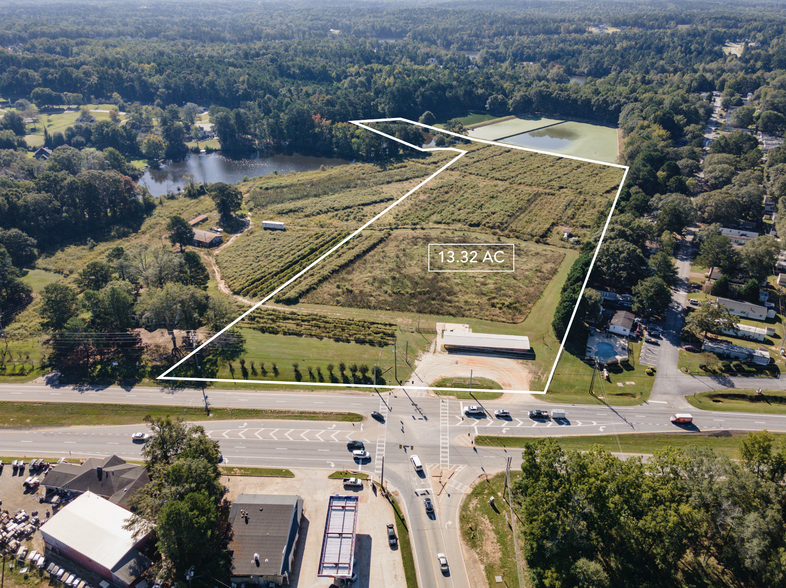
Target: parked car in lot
(538, 414)
(691, 348)
(651, 341)
(392, 539)
(501, 413)
(361, 455)
(443, 562)
(355, 445)
(377, 415)
(428, 505)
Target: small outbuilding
(198, 220)
(207, 238)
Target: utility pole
(395, 359)
(381, 477)
(406, 353)
(594, 371)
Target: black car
(377, 415)
(538, 414)
(392, 539)
(428, 505)
(355, 445)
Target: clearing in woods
(357, 244)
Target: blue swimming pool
(605, 351)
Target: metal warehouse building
(90, 532)
(486, 343)
(338, 543)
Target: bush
(726, 366)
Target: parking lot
(377, 563)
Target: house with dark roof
(265, 530)
(42, 153)
(110, 477)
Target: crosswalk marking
(444, 436)
(382, 436)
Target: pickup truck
(353, 482)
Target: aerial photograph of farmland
(392, 294)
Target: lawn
(37, 279)
(486, 530)
(477, 119)
(724, 442)
(734, 400)
(691, 362)
(21, 359)
(56, 414)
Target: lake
(555, 136)
(215, 167)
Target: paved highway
(435, 429)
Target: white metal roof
(486, 340)
(93, 526)
(338, 544)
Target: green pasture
(37, 279)
(509, 126)
(734, 400)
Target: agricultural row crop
(303, 324)
(352, 199)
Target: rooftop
(338, 544)
(485, 340)
(266, 525)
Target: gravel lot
(377, 564)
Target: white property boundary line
(363, 124)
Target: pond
(216, 167)
(561, 137)
(580, 80)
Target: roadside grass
(37, 278)
(404, 542)
(690, 363)
(486, 532)
(477, 383)
(21, 359)
(347, 474)
(724, 442)
(256, 472)
(56, 414)
(734, 400)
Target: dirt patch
(511, 374)
(490, 545)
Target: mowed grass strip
(347, 474)
(405, 545)
(477, 384)
(732, 400)
(54, 414)
(256, 472)
(724, 442)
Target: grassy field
(734, 400)
(486, 531)
(478, 119)
(21, 359)
(510, 125)
(394, 276)
(725, 442)
(691, 363)
(51, 414)
(37, 279)
(256, 472)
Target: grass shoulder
(725, 442)
(734, 400)
(486, 531)
(479, 384)
(256, 472)
(56, 414)
(404, 542)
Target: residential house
(749, 310)
(207, 238)
(622, 323)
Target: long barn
(486, 343)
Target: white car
(140, 437)
(443, 562)
(501, 413)
(472, 409)
(361, 455)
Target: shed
(198, 220)
(206, 238)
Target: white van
(558, 413)
(416, 463)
